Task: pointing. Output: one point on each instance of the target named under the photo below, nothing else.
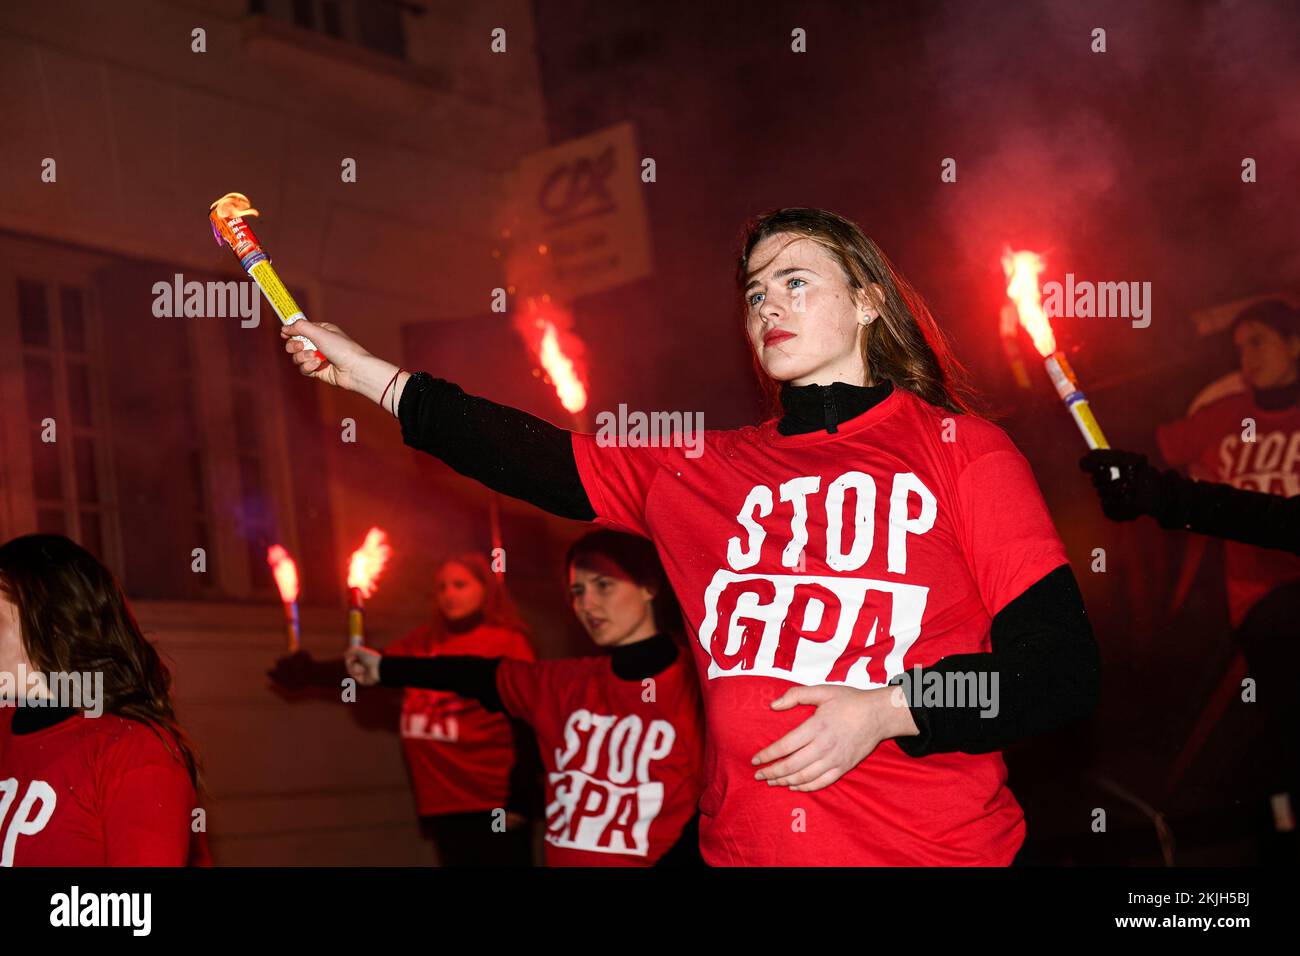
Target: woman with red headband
(876, 598)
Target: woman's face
(1267, 358)
(612, 607)
(804, 321)
(11, 644)
(13, 655)
(457, 592)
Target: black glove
(300, 670)
(1139, 488)
(1205, 507)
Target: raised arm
(504, 448)
(1129, 486)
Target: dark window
(252, 353)
(74, 319)
(87, 476)
(379, 27)
(373, 24)
(330, 22)
(33, 316)
(60, 380)
(151, 402)
(40, 388)
(47, 473)
(92, 534)
(79, 397)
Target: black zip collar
(813, 408)
(465, 624)
(644, 658)
(1278, 397)
(28, 720)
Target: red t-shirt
(936, 523)
(622, 757)
(1209, 442)
(460, 755)
(94, 791)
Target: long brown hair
(904, 345)
(74, 618)
(498, 606)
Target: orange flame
(367, 562)
(285, 571)
(545, 325)
(233, 204)
(568, 386)
(1022, 269)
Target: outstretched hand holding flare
(337, 360)
(227, 216)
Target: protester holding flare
(1254, 504)
(104, 782)
(877, 532)
(466, 763)
(1257, 476)
(620, 735)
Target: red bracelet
(387, 387)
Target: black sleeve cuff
(409, 411)
(1044, 671)
(919, 745)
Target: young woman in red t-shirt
(94, 768)
(620, 735)
(473, 771)
(878, 533)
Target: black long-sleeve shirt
(1044, 656)
(1224, 511)
(476, 677)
